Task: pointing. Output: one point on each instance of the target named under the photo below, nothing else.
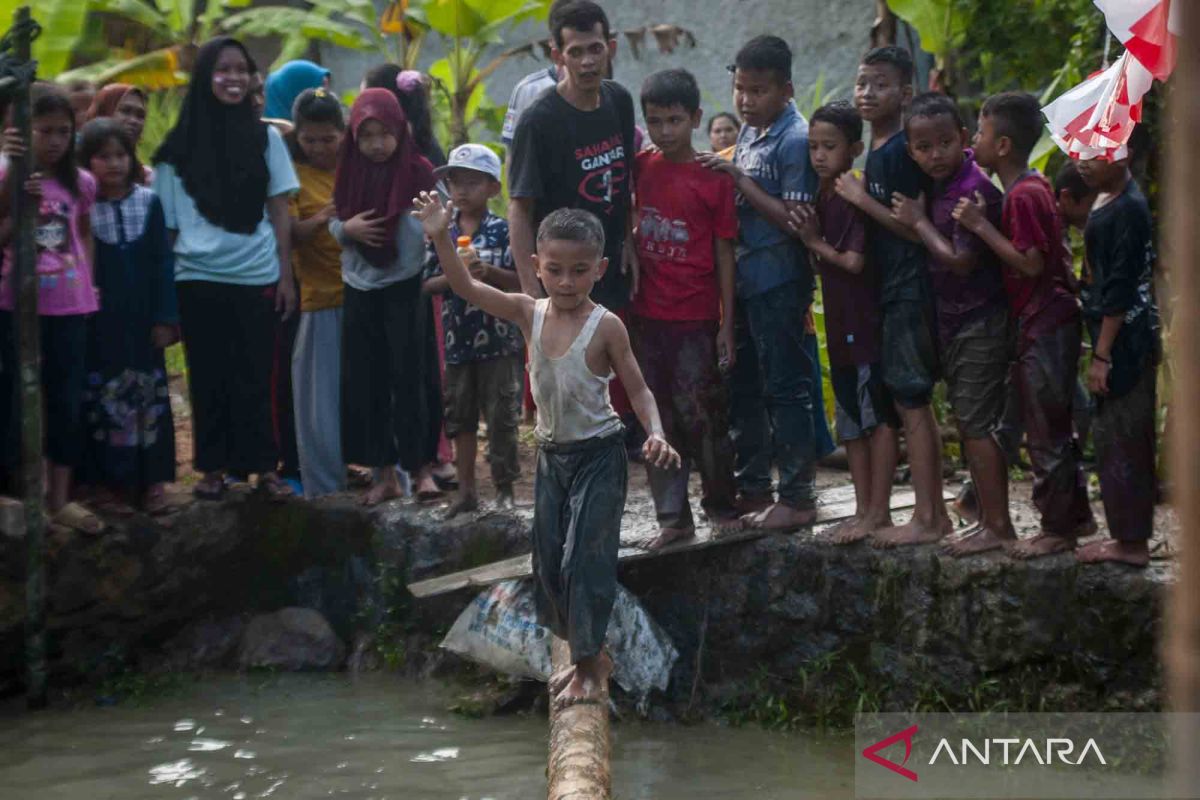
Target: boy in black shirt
(1122, 320)
(909, 353)
(574, 148)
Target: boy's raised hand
(433, 216)
(906, 210)
(658, 453)
(14, 145)
(971, 214)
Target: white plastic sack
(499, 628)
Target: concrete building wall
(827, 37)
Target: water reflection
(301, 737)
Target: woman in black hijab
(224, 178)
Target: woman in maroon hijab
(391, 395)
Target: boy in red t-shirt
(835, 234)
(1037, 278)
(681, 322)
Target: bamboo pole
(1183, 246)
(29, 360)
(580, 748)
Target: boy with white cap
(484, 355)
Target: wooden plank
(841, 507)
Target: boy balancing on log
(575, 346)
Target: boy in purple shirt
(972, 312)
(835, 234)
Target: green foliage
(162, 110)
(62, 24)
(941, 23)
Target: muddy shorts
(976, 361)
(493, 387)
(862, 401)
(910, 352)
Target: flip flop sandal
(276, 489)
(213, 491)
(78, 518)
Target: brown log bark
(1182, 647)
(580, 747)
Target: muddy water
(299, 737)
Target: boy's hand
(851, 186)
(434, 217)
(285, 297)
(325, 214)
(658, 453)
(715, 162)
(14, 145)
(804, 223)
(971, 214)
(726, 348)
(33, 185)
(906, 210)
(479, 270)
(1097, 376)
(631, 265)
(365, 228)
(163, 336)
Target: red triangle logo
(872, 753)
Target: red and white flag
(1097, 117)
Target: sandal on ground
(275, 487)
(207, 489)
(78, 518)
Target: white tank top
(572, 401)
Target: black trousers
(391, 385)
(229, 339)
(578, 497)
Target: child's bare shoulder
(611, 329)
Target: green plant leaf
(141, 12)
(940, 24)
(453, 18)
(62, 24)
(284, 21)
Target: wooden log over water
(579, 764)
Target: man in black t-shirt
(574, 148)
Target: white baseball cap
(472, 156)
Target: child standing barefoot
(66, 294)
(391, 397)
(575, 347)
(130, 433)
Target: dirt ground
(1025, 517)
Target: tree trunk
(1183, 622)
(580, 748)
(29, 358)
(883, 29)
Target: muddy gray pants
(579, 496)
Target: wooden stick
(1182, 647)
(579, 765)
(29, 359)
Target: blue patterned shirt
(777, 160)
(471, 334)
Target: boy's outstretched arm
(853, 189)
(435, 220)
(911, 214)
(521, 240)
(727, 282)
(620, 354)
(774, 209)
(972, 216)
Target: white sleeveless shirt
(572, 401)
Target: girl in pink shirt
(64, 195)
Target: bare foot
(1044, 544)
(1135, 554)
(427, 490)
(463, 504)
(856, 528)
(979, 539)
(504, 498)
(588, 681)
(911, 533)
(781, 517)
(381, 492)
(668, 536)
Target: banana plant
(62, 24)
